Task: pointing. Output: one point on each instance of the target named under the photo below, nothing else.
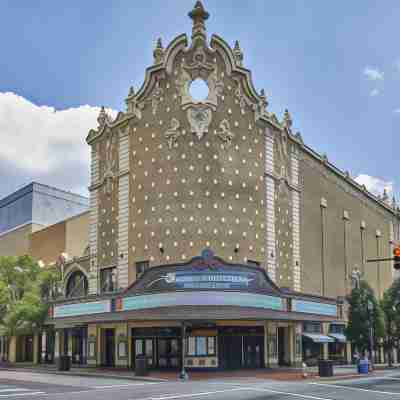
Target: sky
(334, 65)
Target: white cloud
(374, 92)
(39, 141)
(373, 74)
(375, 185)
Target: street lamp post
(370, 307)
(183, 374)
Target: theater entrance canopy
(205, 289)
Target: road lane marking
(126, 385)
(182, 396)
(303, 396)
(22, 394)
(354, 388)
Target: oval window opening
(198, 90)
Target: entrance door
(109, 348)
(253, 351)
(230, 351)
(168, 352)
(144, 347)
(79, 338)
(29, 348)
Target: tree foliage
(358, 329)
(24, 289)
(391, 310)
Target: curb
(85, 374)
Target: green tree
(358, 329)
(25, 288)
(391, 307)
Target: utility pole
(370, 307)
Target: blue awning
(339, 337)
(318, 338)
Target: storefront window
(312, 327)
(191, 351)
(149, 347)
(200, 346)
(139, 347)
(336, 329)
(211, 345)
(108, 280)
(201, 349)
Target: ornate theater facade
(213, 227)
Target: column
(346, 247)
(272, 345)
(121, 345)
(298, 341)
(291, 344)
(44, 346)
(12, 349)
(324, 205)
(36, 356)
(57, 345)
(394, 356)
(349, 355)
(92, 345)
(325, 348)
(378, 265)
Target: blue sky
(334, 65)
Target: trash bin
(363, 367)
(64, 363)
(325, 368)
(141, 366)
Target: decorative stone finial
(299, 137)
(158, 52)
(385, 196)
(324, 158)
(131, 92)
(102, 118)
(263, 98)
(238, 53)
(287, 119)
(394, 203)
(199, 15)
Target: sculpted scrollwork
(109, 174)
(173, 132)
(241, 98)
(156, 97)
(225, 134)
(199, 119)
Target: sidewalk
(282, 374)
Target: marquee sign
(205, 272)
(71, 310)
(312, 307)
(142, 302)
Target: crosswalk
(12, 391)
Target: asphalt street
(37, 386)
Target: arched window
(77, 285)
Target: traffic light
(396, 257)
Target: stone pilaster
(123, 209)
(93, 219)
(270, 205)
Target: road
(16, 385)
